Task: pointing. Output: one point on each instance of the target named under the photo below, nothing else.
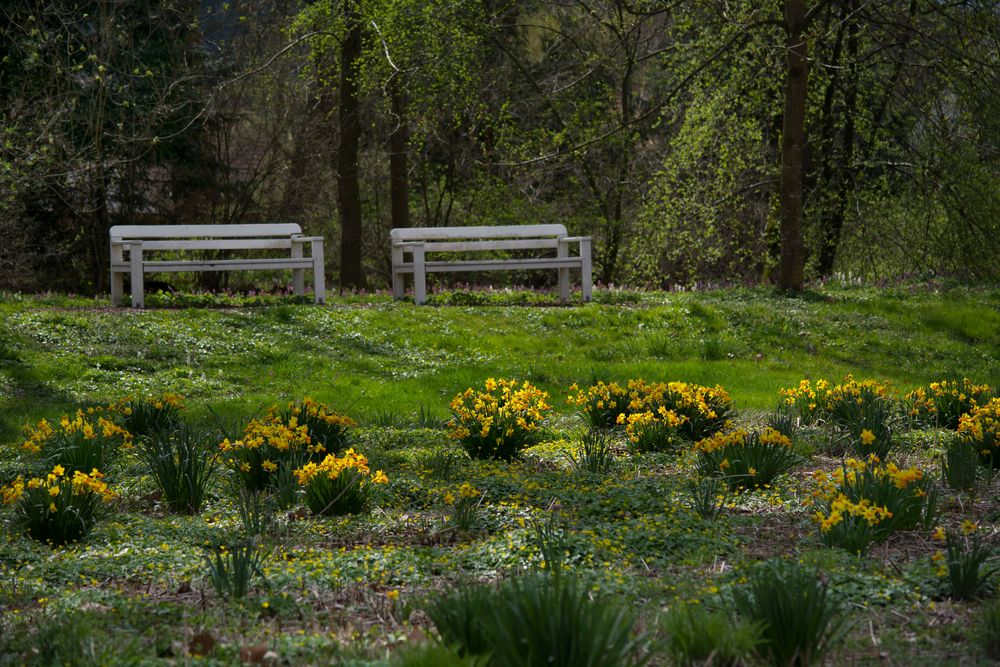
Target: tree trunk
(352, 273)
(791, 270)
(845, 184)
(399, 180)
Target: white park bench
(417, 251)
(132, 245)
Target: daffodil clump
(268, 446)
(943, 403)
(745, 459)
(61, 507)
(966, 553)
(981, 428)
(702, 410)
(500, 420)
(83, 441)
(464, 503)
(600, 404)
(338, 485)
(325, 427)
(815, 401)
(148, 415)
(863, 502)
(651, 431)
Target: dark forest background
(698, 141)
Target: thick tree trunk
(399, 180)
(348, 188)
(791, 270)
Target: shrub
(697, 637)
(537, 620)
(600, 404)
(963, 561)
(329, 432)
(650, 431)
(706, 496)
(800, 622)
(148, 415)
(989, 630)
(960, 465)
(595, 454)
(266, 444)
(464, 504)
(182, 462)
(745, 459)
(702, 410)
(499, 421)
(870, 421)
(232, 570)
(943, 403)
(981, 427)
(820, 401)
(338, 485)
(87, 441)
(58, 508)
(863, 503)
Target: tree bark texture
(352, 273)
(791, 270)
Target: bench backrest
(458, 239)
(208, 237)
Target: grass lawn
(355, 589)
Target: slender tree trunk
(834, 226)
(399, 180)
(791, 270)
(348, 188)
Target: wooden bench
(420, 243)
(130, 245)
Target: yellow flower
(969, 527)
(939, 534)
(393, 595)
(449, 498)
(867, 437)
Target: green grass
(354, 590)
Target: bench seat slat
(168, 266)
(119, 232)
(495, 264)
(471, 246)
(218, 244)
(476, 233)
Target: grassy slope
(384, 357)
(123, 588)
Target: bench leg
(135, 271)
(419, 276)
(319, 271)
(397, 278)
(562, 252)
(298, 275)
(117, 278)
(586, 273)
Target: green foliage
(233, 570)
(870, 422)
(960, 465)
(746, 459)
(148, 416)
(595, 454)
(792, 603)
(183, 461)
(58, 508)
(989, 629)
(537, 620)
(965, 557)
(697, 637)
(436, 655)
(706, 496)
